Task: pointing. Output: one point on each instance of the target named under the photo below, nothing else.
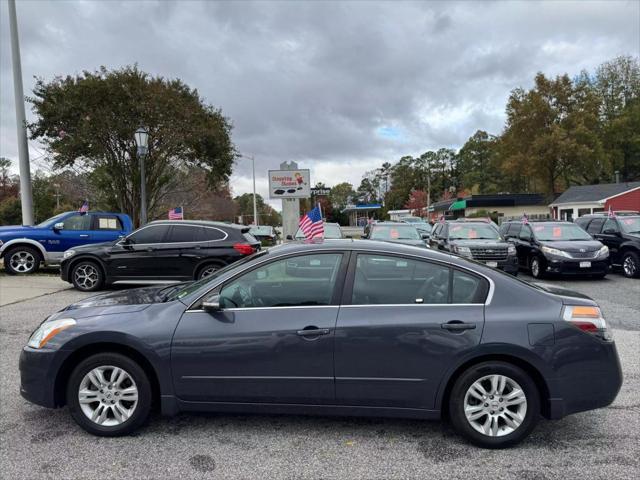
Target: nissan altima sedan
(341, 327)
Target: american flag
(311, 224)
(611, 213)
(176, 214)
(85, 207)
(525, 219)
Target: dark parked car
(479, 240)
(396, 232)
(160, 252)
(345, 328)
(423, 227)
(266, 234)
(621, 234)
(555, 247)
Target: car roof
(202, 223)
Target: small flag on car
(525, 219)
(85, 207)
(176, 214)
(611, 213)
(311, 224)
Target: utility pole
(255, 207)
(26, 197)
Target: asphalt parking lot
(41, 443)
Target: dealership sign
(289, 184)
(320, 192)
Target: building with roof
(360, 214)
(585, 199)
(500, 205)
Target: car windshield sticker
(473, 234)
(557, 232)
(395, 233)
(456, 228)
(539, 228)
(628, 221)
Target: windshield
(260, 230)
(181, 290)
(480, 231)
(51, 221)
(394, 232)
(554, 232)
(630, 224)
(331, 231)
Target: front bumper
(64, 271)
(37, 376)
(569, 266)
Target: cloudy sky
(339, 87)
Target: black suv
(477, 239)
(159, 252)
(556, 247)
(621, 233)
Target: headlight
(511, 249)
(48, 330)
(68, 253)
(464, 251)
(555, 251)
(603, 252)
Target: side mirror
(349, 236)
(289, 237)
(425, 236)
(212, 303)
(58, 226)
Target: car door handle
(457, 326)
(313, 332)
(84, 235)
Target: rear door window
(381, 279)
(106, 223)
(183, 234)
(210, 234)
(595, 226)
(467, 288)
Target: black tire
(206, 270)
(539, 271)
(631, 264)
(457, 404)
(140, 411)
(22, 260)
(87, 276)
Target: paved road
(17, 288)
(38, 443)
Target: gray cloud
(326, 83)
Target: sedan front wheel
(109, 395)
(494, 404)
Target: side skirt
(171, 406)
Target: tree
(341, 195)
(417, 203)
(89, 121)
(267, 215)
(479, 167)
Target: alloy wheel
(629, 266)
(495, 405)
(208, 271)
(22, 261)
(86, 276)
(108, 395)
(535, 267)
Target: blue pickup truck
(23, 249)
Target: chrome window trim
(487, 301)
(226, 235)
(414, 305)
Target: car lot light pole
(142, 141)
(253, 168)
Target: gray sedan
(341, 327)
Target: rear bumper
(510, 265)
(587, 390)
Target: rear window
(250, 238)
(211, 234)
(106, 222)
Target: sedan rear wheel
(109, 394)
(494, 404)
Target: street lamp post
(255, 205)
(142, 142)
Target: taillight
(243, 248)
(587, 319)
